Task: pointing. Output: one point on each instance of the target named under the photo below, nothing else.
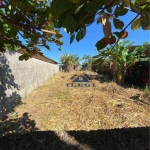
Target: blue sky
(94, 33)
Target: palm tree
(70, 62)
(120, 59)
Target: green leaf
(96, 56)
(21, 57)
(47, 47)
(27, 5)
(80, 35)
(95, 5)
(69, 22)
(26, 57)
(118, 23)
(58, 7)
(80, 12)
(98, 60)
(57, 23)
(145, 23)
(72, 37)
(89, 18)
(136, 24)
(59, 35)
(99, 20)
(126, 2)
(120, 11)
(101, 44)
(7, 12)
(117, 34)
(109, 9)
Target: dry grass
(54, 106)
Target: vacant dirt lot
(60, 109)
(54, 106)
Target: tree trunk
(123, 76)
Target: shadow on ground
(115, 139)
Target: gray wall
(19, 78)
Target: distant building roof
(39, 56)
(147, 51)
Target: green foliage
(101, 44)
(146, 89)
(69, 59)
(136, 23)
(121, 57)
(87, 64)
(118, 23)
(76, 15)
(30, 20)
(35, 21)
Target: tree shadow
(117, 139)
(9, 97)
(112, 139)
(15, 124)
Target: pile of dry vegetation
(58, 117)
(54, 106)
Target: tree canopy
(26, 24)
(31, 24)
(121, 58)
(76, 15)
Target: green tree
(120, 59)
(70, 62)
(26, 24)
(35, 21)
(87, 64)
(76, 15)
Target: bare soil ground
(107, 116)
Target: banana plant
(120, 59)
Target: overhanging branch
(14, 23)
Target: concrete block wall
(19, 78)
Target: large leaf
(80, 35)
(80, 12)
(136, 24)
(69, 22)
(145, 22)
(126, 2)
(101, 44)
(89, 18)
(120, 11)
(72, 37)
(58, 7)
(95, 5)
(123, 34)
(97, 56)
(98, 60)
(99, 20)
(118, 23)
(57, 23)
